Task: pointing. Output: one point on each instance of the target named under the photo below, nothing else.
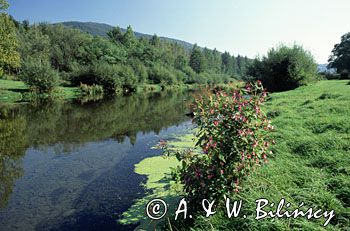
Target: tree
(154, 40)
(115, 35)
(284, 68)
(340, 57)
(9, 57)
(197, 59)
(180, 62)
(3, 5)
(39, 75)
(226, 66)
(34, 44)
(129, 40)
(100, 49)
(65, 45)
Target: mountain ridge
(101, 29)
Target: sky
(245, 27)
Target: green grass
(310, 164)
(13, 91)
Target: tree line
(46, 55)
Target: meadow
(310, 163)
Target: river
(70, 165)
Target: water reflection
(75, 161)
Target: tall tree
(154, 40)
(197, 59)
(115, 35)
(340, 57)
(226, 62)
(129, 40)
(9, 57)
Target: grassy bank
(13, 91)
(310, 164)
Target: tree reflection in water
(69, 125)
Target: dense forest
(47, 55)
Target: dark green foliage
(39, 75)
(34, 43)
(344, 74)
(284, 68)
(340, 58)
(331, 76)
(197, 60)
(123, 59)
(180, 62)
(329, 96)
(160, 75)
(115, 35)
(111, 77)
(101, 50)
(91, 90)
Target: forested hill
(101, 29)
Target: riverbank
(12, 91)
(310, 164)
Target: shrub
(284, 68)
(161, 75)
(39, 75)
(101, 74)
(91, 90)
(140, 70)
(344, 74)
(233, 132)
(111, 77)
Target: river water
(70, 165)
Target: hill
(101, 29)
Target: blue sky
(246, 27)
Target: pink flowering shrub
(233, 133)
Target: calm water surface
(70, 166)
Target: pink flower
(264, 94)
(257, 109)
(216, 123)
(221, 171)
